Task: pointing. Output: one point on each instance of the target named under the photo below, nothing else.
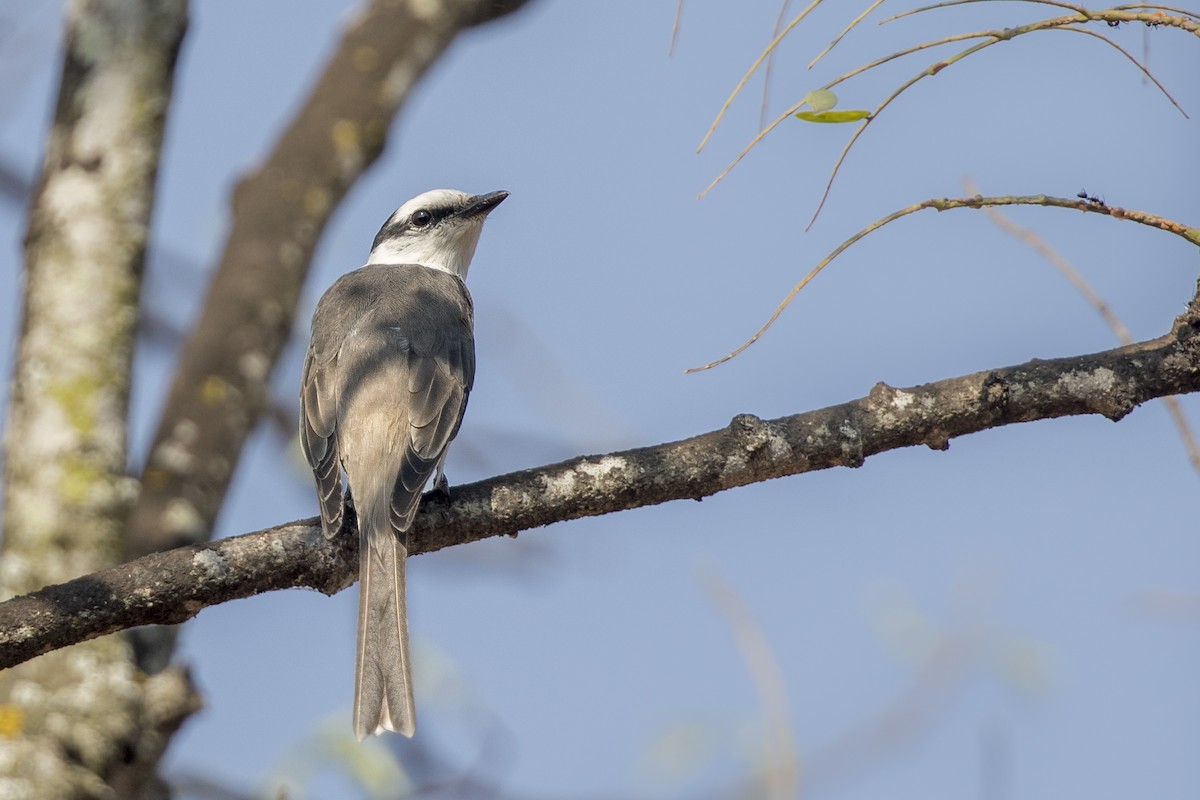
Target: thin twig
(745, 150)
(945, 204)
(675, 28)
(949, 3)
(754, 67)
(853, 24)
(932, 69)
(1145, 72)
(762, 111)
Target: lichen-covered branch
(173, 586)
(80, 718)
(279, 211)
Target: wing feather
(435, 411)
(318, 440)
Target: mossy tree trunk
(84, 722)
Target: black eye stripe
(425, 217)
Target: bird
(387, 374)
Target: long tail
(383, 696)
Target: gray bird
(386, 379)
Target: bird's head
(437, 229)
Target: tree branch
(173, 586)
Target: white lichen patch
(71, 198)
(175, 454)
(902, 400)
(506, 502)
(209, 562)
(603, 467)
(400, 79)
(779, 448)
(8, 760)
(105, 133)
(847, 430)
(425, 10)
(27, 693)
(290, 253)
(254, 366)
(14, 788)
(819, 434)
(1090, 383)
(563, 485)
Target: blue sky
(592, 649)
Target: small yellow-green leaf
(821, 99)
(833, 116)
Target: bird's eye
(422, 218)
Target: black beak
(482, 204)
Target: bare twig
(769, 71)
(770, 48)
(1145, 71)
(946, 204)
(853, 24)
(675, 28)
(950, 3)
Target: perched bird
(389, 367)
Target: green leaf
(833, 116)
(821, 99)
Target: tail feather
(383, 696)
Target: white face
(429, 231)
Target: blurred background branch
(66, 490)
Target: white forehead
(434, 198)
